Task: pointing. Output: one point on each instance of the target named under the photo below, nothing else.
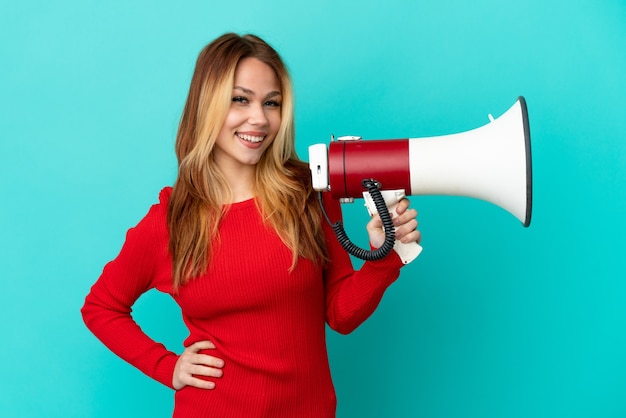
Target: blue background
(493, 319)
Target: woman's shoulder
(160, 207)
(155, 220)
(164, 195)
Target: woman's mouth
(255, 139)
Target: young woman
(242, 246)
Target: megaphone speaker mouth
(529, 165)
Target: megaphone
(491, 163)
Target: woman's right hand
(191, 363)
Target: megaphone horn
(492, 163)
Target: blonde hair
(282, 181)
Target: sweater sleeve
(352, 296)
(108, 306)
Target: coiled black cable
(373, 187)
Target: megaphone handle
(409, 251)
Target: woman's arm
(108, 306)
(352, 296)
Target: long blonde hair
(282, 181)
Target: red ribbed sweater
(268, 324)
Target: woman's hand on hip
(192, 363)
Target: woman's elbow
(343, 327)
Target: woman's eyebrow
(243, 89)
(272, 94)
(248, 91)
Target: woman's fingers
(404, 221)
(198, 383)
(409, 232)
(200, 345)
(192, 363)
(200, 370)
(204, 365)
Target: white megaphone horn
(492, 163)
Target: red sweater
(268, 324)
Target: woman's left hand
(404, 221)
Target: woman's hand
(404, 222)
(191, 363)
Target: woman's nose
(257, 115)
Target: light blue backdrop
(493, 320)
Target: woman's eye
(272, 103)
(240, 99)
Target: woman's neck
(241, 184)
(241, 195)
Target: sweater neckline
(244, 204)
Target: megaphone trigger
(409, 251)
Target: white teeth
(251, 138)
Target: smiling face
(253, 118)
